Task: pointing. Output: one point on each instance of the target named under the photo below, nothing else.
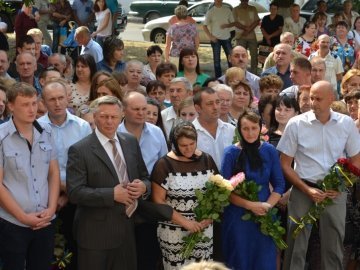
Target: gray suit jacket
(100, 222)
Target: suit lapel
(100, 152)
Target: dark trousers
(23, 248)
(216, 48)
(66, 219)
(109, 259)
(147, 247)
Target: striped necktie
(124, 179)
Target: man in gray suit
(103, 224)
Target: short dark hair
(154, 85)
(87, 60)
(302, 63)
(342, 23)
(163, 68)
(110, 45)
(198, 95)
(289, 101)
(355, 94)
(185, 52)
(153, 49)
(27, 39)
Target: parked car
(153, 9)
(308, 8)
(156, 30)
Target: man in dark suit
(103, 226)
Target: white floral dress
(180, 180)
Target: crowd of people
(109, 154)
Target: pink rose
(237, 179)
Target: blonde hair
(205, 265)
(348, 75)
(339, 106)
(35, 32)
(187, 102)
(232, 72)
(181, 12)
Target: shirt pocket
(12, 160)
(45, 151)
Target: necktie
(124, 179)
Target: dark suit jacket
(100, 222)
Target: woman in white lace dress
(175, 178)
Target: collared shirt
(26, 171)
(293, 27)
(284, 77)
(152, 144)
(36, 85)
(214, 146)
(83, 9)
(168, 116)
(316, 146)
(102, 65)
(292, 90)
(200, 78)
(94, 49)
(71, 131)
(105, 142)
(252, 80)
(333, 67)
(246, 15)
(215, 17)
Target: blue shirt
(284, 77)
(102, 65)
(26, 169)
(83, 9)
(94, 49)
(71, 131)
(152, 144)
(36, 85)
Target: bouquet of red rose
(341, 175)
(211, 204)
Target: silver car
(155, 30)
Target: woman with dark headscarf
(244, 246)
(175, 178)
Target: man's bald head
(321, 98)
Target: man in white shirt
(315, 140)
(179, 89)
(213, 134)
(334, 67)
(216, 26)
(294, 24)
(88, 46)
